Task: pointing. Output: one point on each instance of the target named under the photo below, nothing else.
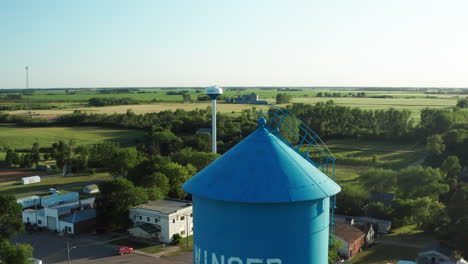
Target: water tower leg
(213, 126)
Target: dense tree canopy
(114, 200)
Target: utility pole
(27, 89)
(68, 252)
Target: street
(51, 248)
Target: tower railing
(291, 130)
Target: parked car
(124, 249)
(53, 191)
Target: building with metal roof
(72, 217)
(160, 220)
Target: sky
(149, 43)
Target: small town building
(352, 238)
(31, 179)
(203, 130)
(92, 188)
(72, 217)
(246, 99)
(380, 226)
(385, 198)
(368, 229)
(162, 219)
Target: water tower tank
(261, 202)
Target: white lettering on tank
(214, 259)
(197, 254)
(235, 260)
(274, 261)
(254, 261)
(206, 257)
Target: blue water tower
(261, 203)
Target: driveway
(51, 248)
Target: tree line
(334, 121)
(96, 101)
(434, 196)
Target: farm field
(158, 94)
(143, 108)
(414, 105)
(155, 100)
(24, 137)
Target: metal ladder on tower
(295, 133)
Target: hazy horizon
(298, 43)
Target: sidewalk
(158, 254)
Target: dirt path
(399, 243)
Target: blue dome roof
(261, 169)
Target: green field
(264, 94)
(63, 103)
(402, 244)
(356, 156)
(52, 182)
(24, 137)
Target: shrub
(176, 239)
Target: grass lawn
(349, 173)
(52, 182)
(388, 154)
(355, 156)
(186, 245)
(383, 254)
(410, 234)
(24, 137)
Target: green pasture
(51, 182)
(264, 94)
(356, 156)
(387, 154)
(63, 103)
(24, 137)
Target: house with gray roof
(160, 220)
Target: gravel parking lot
(51, 248)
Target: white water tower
(213, 92)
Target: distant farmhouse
(245, 99)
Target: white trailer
(29, 180)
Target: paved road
(66, 186)
(51, 248)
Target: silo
(261, 202)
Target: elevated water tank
(261, 202)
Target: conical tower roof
(261, 169)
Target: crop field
(154, 100)
(161, 94)
(142, 109)
(24, 137)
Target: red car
(124, 249)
